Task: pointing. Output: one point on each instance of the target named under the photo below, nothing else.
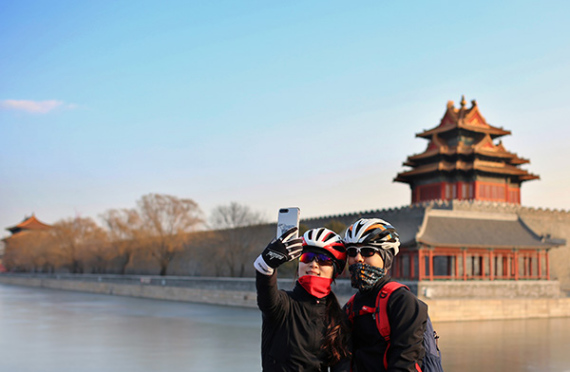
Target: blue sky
(270, 104)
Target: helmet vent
(328, 237)
(319, 233)
(310, 235)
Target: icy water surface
(58, 331)
(45, 330)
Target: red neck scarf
(317, 286)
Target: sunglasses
(364, 251)
(322, 259)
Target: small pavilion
(28, 224)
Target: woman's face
(316, 269)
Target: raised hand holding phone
(286, 247)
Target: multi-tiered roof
(463, 161)
(29, 224)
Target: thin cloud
(36, 107)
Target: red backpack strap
(382, 321)
(352, 313)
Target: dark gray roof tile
(461, 231)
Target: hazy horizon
(314, 105)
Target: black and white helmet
(373, 232)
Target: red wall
(477, 190)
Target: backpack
(432, 358)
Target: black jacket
(293, 327)
(407, 316)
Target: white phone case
(288, 218)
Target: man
(371, 246)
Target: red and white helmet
(373, 232)
(329, 242)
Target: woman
(303, 329)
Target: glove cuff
(262, 266)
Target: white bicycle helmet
(328, 241)
(373, 232)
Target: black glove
(279, 251)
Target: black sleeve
(408, 318)
(272, 302)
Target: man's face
(361, 254)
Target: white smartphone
(288, 218)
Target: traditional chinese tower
(463, 161)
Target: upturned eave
(494, 132)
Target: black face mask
(364, 276)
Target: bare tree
(76, 240)
(166, 222)
(124, 227)
(237, 237)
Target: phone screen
(288, 218)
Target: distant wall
(557, 225)
(241, 292)
(220, 291)
(489, 289)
